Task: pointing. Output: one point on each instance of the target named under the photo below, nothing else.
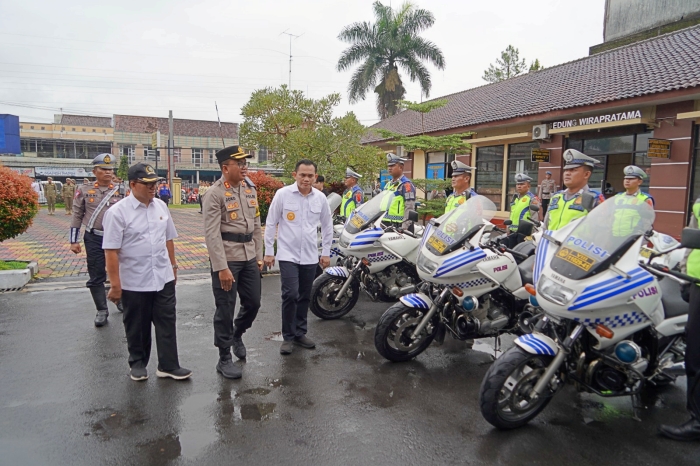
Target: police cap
(393, 159)
(349, 173)
(459, 168)
(103, 161)
(231, 153)
(522, 178)
(575, 159)
(632, 171)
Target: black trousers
(296, 290)
(165, 199)
(96, 270)
(545, 205)
(692, 352)
(246, 284)
(141, 308)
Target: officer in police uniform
(626, 220)
(405, 199)
(547, 187)
(234, 240)
(523, 201)
(568, 205)
(89, 206)
(68, 192)
(353, 196)
(51, 191)
(461, 186)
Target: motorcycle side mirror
(525, 228)
(508, 222)
(690, 238)
(588, 201)
(434, 222)
(413, 215)
(535, 208)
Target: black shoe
(139, 373)
(685, 432)
(120, 307)
(101, 318)
(228, 369)
(239, 347)
(286, 348)
(177, 374)
(305, 342)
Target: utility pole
(171, 137)
(290, 52)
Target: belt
(97, 232)
(237, 237)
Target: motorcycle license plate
(357, 221)
(581, 261)
(645, 253)
(437, 243)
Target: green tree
(382, 47)
(18, 203)
(508, 66)
(123, 169)
(292, 127)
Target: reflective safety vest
(520, 209)
(626, 220)
(561, 212)
(352, 198)
(403, 188)
(455, 200)
(693, 264)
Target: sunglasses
(149, 185)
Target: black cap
(142, 172)
(231, 153)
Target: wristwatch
(175, 267)
(260, 262)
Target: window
(72, 129)
(83, 130)
(177, 153)
(94, 130)
(31, 127)
(128, 152)
(43, 128)
(212, 155)
(262, 154)
(489, 173)
(197, 157)
(21, 127)
(519, 161)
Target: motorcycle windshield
(602, 237)
(369, 212)
(457, 226)
(333, 200)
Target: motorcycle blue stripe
(370, 235)
(532, 341)
(467, 259)
(618, 282)
(461, 256)
(419, 303)
(425, 234)
(633, 273)
(541, 256)
(361, 243)
(531, 345)
(611, 294)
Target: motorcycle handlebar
(682, 276)
(499, 248)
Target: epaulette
(249, 182)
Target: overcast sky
(147, 57)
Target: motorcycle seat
(671, 299)
(526, 268)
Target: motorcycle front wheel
(392, 337)
(504, 396)
(323, 294)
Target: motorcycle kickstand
(637, 406)
(496, 345)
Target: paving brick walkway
(46, 242)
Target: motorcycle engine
(488, 319)
(396, 280)
(605, 377)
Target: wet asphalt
(66, 398)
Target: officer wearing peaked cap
(577, 199)
(461, 186)
(626, 219)
(523, 202)
(353, 196)
(90, 203)
(234, 240)
(546, 189)
(405, 199)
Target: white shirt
(36, 186)
(295, 218)
(139, 233)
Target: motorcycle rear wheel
(323, 293)
(503, 396)
(392, 335)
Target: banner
(23, 171)
(58, 171)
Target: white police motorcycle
(472, 287)
(612, 323)
(378, 259)
(334, 200)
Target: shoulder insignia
(578, 200)
(358, 196)
(460, 201)
(407, 186)
(96, 185)
(227, 185)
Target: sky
(147, 57)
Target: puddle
(256, 391)
(275, 382)
(257, 411)
(162, 449)
(483, 347)
(274, 336)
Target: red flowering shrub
(336, 187)
(266, 187)
(18, 203)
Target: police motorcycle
(378, 259)
(473, 285)
(611, 325)
(334, 201)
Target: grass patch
(12, 265)
(184, 206)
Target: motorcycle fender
(417, 300)
(337, 271)
(536, 343)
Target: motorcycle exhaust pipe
(407, 289)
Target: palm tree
(392, 42)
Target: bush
(266, 187)
(18, 203)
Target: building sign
(596, 120)
(539, 155)
(23, 171)
(58, 171)
(660, 148)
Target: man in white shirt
(292, 219)
(140, 254)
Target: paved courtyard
(46, 242)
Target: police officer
(547, 187)
(568, 205)
(353, 196)
(51, 191)
(461, 186)
(234, 240)
(68, 193)
(626, 220)
(405, 199)
(523, 202)
(89, 206)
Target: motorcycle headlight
(426, 265)
(554, 292)
(343, 241)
